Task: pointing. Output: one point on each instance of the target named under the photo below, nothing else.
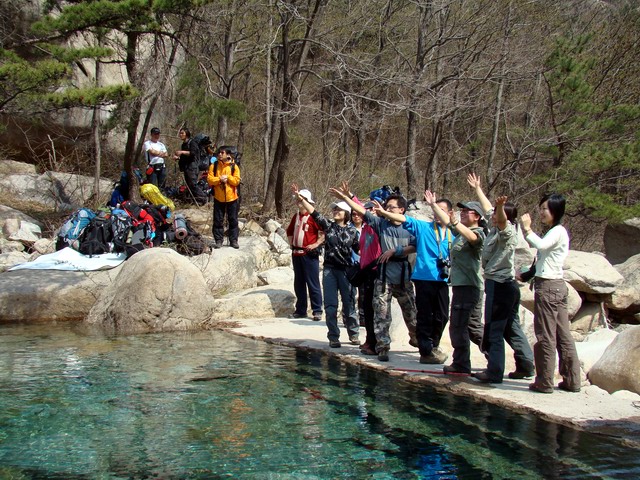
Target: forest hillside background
(534, 97)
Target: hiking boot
(335, 343)
(451, 370)
(383, 355)
(519, 375)
(484, 377)
(535, 387)
(413, 342)
(354, 340)
(317, 317)
(436, 357)
(564, 386)
(217, 245)
(367, 350)
(298, 315)
(234, 244)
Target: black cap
(155, 130)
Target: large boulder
(34, 296)
(276, 276)
(227, 269)
(11, 167)
(590, 273)
(627, 295)
(268, 301)
(619, 366)
(157, 290)
(621, 240)
(259, 248)
(593, 346)
(66, 191)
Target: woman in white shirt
(550, 318)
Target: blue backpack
(381, 194)
(72, 228)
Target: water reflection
(211, 405)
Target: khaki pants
(551, 325)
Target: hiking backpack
(97, 237)
(72, 228)
(381, 194)
(202, 160)
(143, 219)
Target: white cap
(306, 194)
(342, 205)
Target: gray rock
(589, 318)
(590, 273)
(627, 295)
(621, 240)
(35, 296)
(8, 212)
(10, 258)
(253, 228)
(201, 219)
(267, 301)
(276, 276)
(259, 248)
(28, 233)
(278, 244)
(11, 227)
(63, 190)
(7, 246)
(157, 290)
(619, 366)
(272, 226)
(11, 167)
(227, 269)
(43, 246)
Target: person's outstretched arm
(501, 216)
(307, 206)
(343, 193)
(474, 182)
(466, 232)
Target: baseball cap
(341, 205)
(475, 206)
(369, 205)
(155, 130)
(306, 194)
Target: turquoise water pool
(213, 405)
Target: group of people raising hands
(474, 253)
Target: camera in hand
(444, 264)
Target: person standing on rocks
(224, 178)
(306, 239)
(341, 238)
(550, 317)
(393, 279)
(156, 152)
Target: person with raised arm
(550, 318)
(433, 244)
(502, 294)
(341, 238)
(466, 280)
(393, 278)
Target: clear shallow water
(212, 405)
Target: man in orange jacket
(224, 177)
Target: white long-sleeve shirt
(553, 249)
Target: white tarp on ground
(69, 259)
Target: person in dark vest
(187, 158)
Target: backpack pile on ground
(128, 229)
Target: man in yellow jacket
(224, 177)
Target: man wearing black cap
(155, 152)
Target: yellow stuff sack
(152, 194)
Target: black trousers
(191, 173)
(465, 298)
(432, 305)
(230, 209)
(366, 290)
(306, 276)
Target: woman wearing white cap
(341, 238)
